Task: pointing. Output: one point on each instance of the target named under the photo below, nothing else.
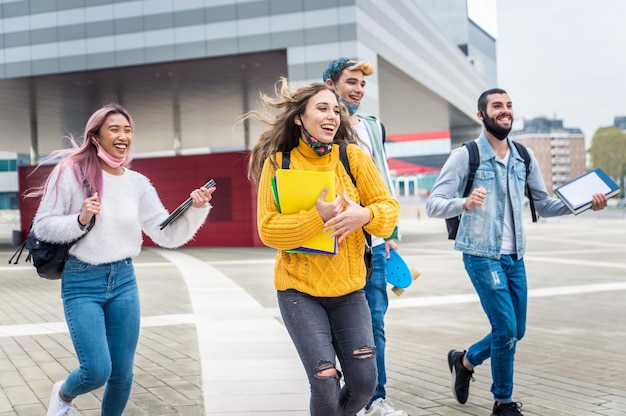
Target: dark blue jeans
(102, 312)
(503, 292)
(323, 329)
(378, 301)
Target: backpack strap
(286, 159)
(521, 149)
(345, 161)
(474, 161)
(20, 249)
(343, 156)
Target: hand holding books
(590, 190)
(347, 220)
(296, 190)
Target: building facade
(560, 151)
(187, 69)
(620, 122)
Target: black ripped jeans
(322, 329)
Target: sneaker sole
(453, 376)
(453, 386)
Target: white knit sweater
(129, 204)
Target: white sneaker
(57, 406)
(380, 407)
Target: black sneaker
(461, 376)
(507, 409)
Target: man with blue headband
(347, 77)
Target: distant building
(620, 123)
(560, 151)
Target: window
(8, 200)
(8, 165)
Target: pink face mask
(107, 158)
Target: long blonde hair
(283, 134)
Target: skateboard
(398, 273)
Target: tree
(608, 151)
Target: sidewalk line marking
(417, 302)
(46, 328)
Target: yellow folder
(297, 190)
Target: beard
(497, 131)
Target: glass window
(8, 165)
(8, 200)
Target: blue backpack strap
(521, 149)
(474, 162)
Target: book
(297, 190)
(576, 194)
(183, 207)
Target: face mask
(107, 158)
(499, 133)
(352, 107)
(318, 147)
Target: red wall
(232, 220)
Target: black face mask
(492, 127)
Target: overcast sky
(564, 59)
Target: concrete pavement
(212, 342)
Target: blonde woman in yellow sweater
(321, 296)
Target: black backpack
(49, 258)
(474, 160)
(343, 156)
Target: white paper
(580, 191)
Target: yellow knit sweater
(324, 275)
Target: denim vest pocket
(485, 178)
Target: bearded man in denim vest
(492, 239)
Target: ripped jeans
(325, 328)
(503, 292)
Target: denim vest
(480, 231)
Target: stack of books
(297, 190)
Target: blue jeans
(376, 293)
(325, 328)
(101, 306)
(501, 286)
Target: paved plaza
(212, 342)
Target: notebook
(296, 190)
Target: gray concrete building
(186, 69)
